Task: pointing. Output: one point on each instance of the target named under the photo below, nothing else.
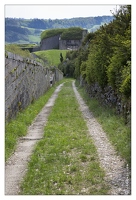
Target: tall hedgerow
(105, 56)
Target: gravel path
(16, 166)
(117, 174)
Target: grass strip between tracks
(65, 161)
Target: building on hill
(56, 42)
(50, 43)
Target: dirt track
(117, 174)
(16, 166)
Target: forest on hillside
(18, 30)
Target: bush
(125, 87)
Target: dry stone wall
(25, 81)
(108, 97)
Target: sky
(57, 11)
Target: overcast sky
(57, 11)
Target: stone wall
(108, 97)
(56, 42)
(50, 43)
(25, 81)
(70, 44)
(31, 49)
(58, 74)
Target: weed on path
(65, 161)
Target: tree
(61, 58)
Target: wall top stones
(21, 59)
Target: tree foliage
(105, 55)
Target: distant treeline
(17, 29)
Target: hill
(18, 30)
(51, 56)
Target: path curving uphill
(16, 166)
(117, 174)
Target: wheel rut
(16, 166)
(117, 172)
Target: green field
(52, 56)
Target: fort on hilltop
(70, 38)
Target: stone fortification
(56, 42)
(50, 43)
(69, 44)
(25, 81)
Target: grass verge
(65, 161)
(18, 126)
(117, 131)
(52, 56)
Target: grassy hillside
(22, 34)
(52, 56)
(29, 30)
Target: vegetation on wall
(68, 33)
(50, 33)
(17, 50)
(73, 33)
